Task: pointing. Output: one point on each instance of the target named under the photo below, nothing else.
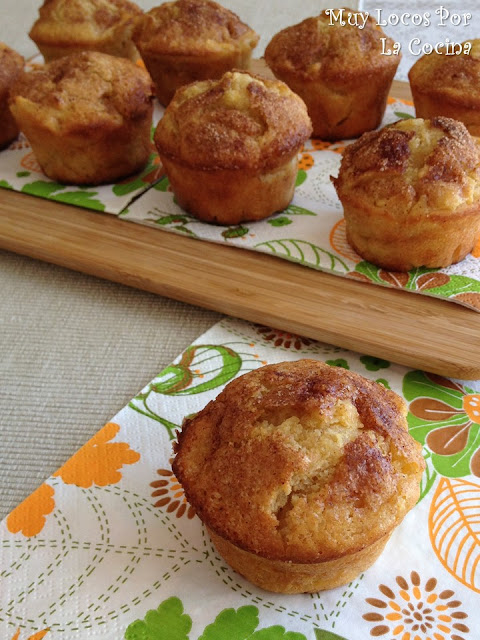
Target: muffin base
(80, 159)
(229, 196)
(434, 240)
(290, 577)
(170, 72)
(432, 105)
(343, 110)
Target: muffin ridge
(239, 129)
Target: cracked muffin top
(83, 22)
(11, 65)
(300, 461)
(241, 121)
(320, 47)
(412, 166)
(84, 92)
(455, 77)
(192, 27)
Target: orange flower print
(20, 143)
(320, 145)
(36, 636)
(99, 461)
(30, 516)
(305, 162)
(283, 339)
(171, 494)
(30, 163)
(412, 612)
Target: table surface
(74, 348)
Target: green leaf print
(124, 188)
(173, 219)
(282, 221)
(5, 185)
(168, 622)
(323, 634)
(443, 417)
(295, 210)
(404, 115)
(384, 382)
(177, 220)
(457, 285)
(418, 383)
(340, 362)
(374, 364)
(301, 177)
(81, 197)
(276, 633)
(231, 624)
(370, 271)
(305, 253)
(163, 184)
(429, 476)
(235, 232)
(216, 363)
(200, 368)
(42, 188)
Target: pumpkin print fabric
(108, 547)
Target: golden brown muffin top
(87, 90)
(241, 121)
(450, 76)
(82, 21)
(11, 65)
(315, 48)
(413, 166)
(192, 27)
(300, 461)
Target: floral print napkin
(311, 230)
(108, 547)
(20, 171)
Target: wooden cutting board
(411, 329)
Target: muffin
(411, 194)
(11, 65)
(188, 40)
(70, 26)
(229, 146)
(339, 71)
(449, 85)
(300, 472)
(87, 116)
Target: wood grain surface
(401, 326)
(408, 328)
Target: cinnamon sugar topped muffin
(87, 116)
(11, 66)
(339, 71)
(70, 26)
(230, 146)
(411, 193)
(449, 85)
(189, 40)
(300, 471)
